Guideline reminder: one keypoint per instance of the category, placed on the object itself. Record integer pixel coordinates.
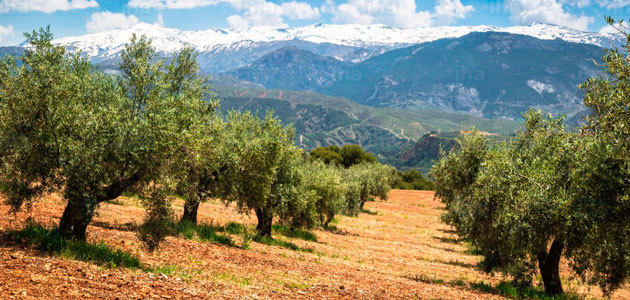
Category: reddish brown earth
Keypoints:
(403, 251)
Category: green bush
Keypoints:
(413, 179)
(346, 156)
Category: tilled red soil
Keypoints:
(403, 251)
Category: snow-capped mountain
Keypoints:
(225, 49)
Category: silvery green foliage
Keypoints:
(365, 181)
(546, 193)
(326, 183)
(260, 166)
(65, 127)
(511, 199)
(602, 176)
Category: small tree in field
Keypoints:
(365, 181)
(261, 166)
(200, 169)
(327, 185)
(65, 127)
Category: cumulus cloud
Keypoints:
(172, 4)
(400, 13)
(254, 12)
(46, 6)
(546, 11)
(6, 32)
(103, 21)
(447, 11)
(238, 22)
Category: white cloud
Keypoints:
(299, 11)
(238, 22)
(267, 13)
(172, 4)
(103, 21)
(447, 11)
(46, 6)
(609, 29)
(546, 11)
(400, 13)
(254, 12)
(6, 32)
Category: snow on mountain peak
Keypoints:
(168, 40)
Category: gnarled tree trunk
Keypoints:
(75, 219)
(549, 264)
(190, 212)
(265, 218)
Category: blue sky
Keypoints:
(76, 17)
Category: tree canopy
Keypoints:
(346, 156)
(66, 127)
(549, 193)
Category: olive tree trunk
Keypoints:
(190, 212)
(265, 218)
(75, 219)
(549, 264)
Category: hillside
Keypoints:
(308, 70)
(426, 151)
(324, 120)
(501, 77)
(400, 251)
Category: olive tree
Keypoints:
(326, 182)
(365, 181)
(260, 167)
(66, 127)
(601, 250)
(511, 200)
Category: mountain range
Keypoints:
(222, 50)
(486, 74)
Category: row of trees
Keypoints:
(550, 193)
(151, 130)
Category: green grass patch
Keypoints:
(294, 233)
(280, 243)
(505, 288)
(204, 233)
(511, 290)
(234, 228)
(242, 281)
(50, 241)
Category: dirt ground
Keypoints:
(398, 251)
